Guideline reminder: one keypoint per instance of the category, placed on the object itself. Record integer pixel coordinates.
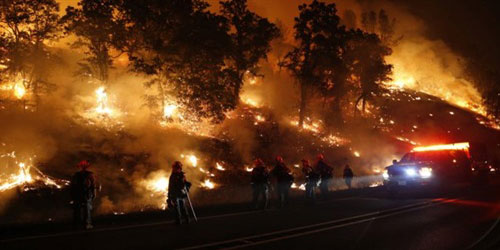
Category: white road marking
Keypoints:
(147, 224)
(372, 216)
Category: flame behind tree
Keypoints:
(96, 28)
(202, 68)
(26, 27)
(334, 61)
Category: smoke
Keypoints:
(131, 150)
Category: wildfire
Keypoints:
(219, 167)
(168, 110)
(102, 102)
(24, 176)
(443, 85)
(308, 125)
(159, 185)
(251, 102)
(19, 90)
(403, 139)
(208, 184)
(335, 140)
(16, 87)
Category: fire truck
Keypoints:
(431, 165)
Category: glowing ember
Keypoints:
(219, 167)
(356, 153)
(455, 146)
(19, 90)
(193, 160)
(251, 102)
(248, 169)
(314, 127)
(376, 184)
(335, 140)
(168, 110)
(16, 87)
(260, 118)
(102, 102)
(159, 185)
(156, 185)
(24, 176)
(406, 140)
(208, 184)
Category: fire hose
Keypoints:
(190, 204)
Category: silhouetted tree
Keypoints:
(316, 55)
(251, 36)
(369, 21)
(386, 27)
(366, 55)
(183, 47)
(193, 54)
(26, 27)
(380, 24)
(96, 28)
(349, 19)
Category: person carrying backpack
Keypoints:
(312, 178)
(260, 184)
(284, 180)
(83, 193)
(326, 175)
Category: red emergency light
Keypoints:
(455, 146)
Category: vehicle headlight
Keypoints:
(385, 174)
(425, 172)
(411, 172)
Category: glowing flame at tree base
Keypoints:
(24, 177)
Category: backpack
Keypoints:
(83, 185)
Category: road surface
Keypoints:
(466, 218)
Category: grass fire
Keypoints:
(224, 84)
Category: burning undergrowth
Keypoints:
(132, 134)
(133, 164)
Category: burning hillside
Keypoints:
(135, 107)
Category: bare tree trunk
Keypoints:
(303, 100)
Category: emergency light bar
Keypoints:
(454, 146)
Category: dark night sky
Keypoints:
(471, 28)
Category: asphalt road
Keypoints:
(464, 218)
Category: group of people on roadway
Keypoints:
(83, 187)
(320, 175)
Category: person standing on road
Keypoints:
(83, 192)
(312, 179)
(260, 184)
(178, 188)
(326, 174)
(348, 175)
(284, 180)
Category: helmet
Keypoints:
(258, 162)
(320, 157)
(83, 164)
(177, 166)
(279, 159)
